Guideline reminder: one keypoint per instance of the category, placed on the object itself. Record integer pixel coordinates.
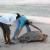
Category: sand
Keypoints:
(28, 46)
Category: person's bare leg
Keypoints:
(8, 37)
(4, 34)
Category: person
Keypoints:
(22, 21)
(6, 32)
(5, 23)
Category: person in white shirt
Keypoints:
(5, 22)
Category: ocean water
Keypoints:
(32, 10)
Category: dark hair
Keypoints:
(18, 15)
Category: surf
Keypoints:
(38, 19)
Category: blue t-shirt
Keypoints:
(21, 21)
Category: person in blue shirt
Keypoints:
(22, 21)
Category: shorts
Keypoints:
(5, 28)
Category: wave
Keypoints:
(40, 19)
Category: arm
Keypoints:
(36, 27)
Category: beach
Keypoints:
(29, 10)
(28, 46)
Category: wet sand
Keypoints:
(28, 46)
